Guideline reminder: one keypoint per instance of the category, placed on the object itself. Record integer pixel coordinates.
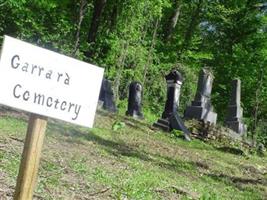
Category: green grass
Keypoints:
(130, 162)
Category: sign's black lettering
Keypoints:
(76, 111)
(63, 105)
(25, 67)
(15, 91)
(67, 80)
(15, 64)
(56, 102)
(26, 95)
(58, 76)
(50, 102)
(49, 74)
(38, 98)
(33, 68)
(40, 71)
(70, 105)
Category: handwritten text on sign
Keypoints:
(47, 83)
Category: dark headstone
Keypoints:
(201, 108)
(135, 100)
(106, 96)
(170, 118)
(235, 111)
(174, 82)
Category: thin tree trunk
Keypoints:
(83, 4)
(120, 65)
(114, 15)
(192, 25)
(98, 9)
(257, 105)
(149, 60)
(173, 20)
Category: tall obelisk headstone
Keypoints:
(170, 118)
(235, 111)
(201, 108)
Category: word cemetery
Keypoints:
(47, 101)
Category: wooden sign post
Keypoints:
(48, 84)
(29, 165)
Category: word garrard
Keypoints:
(37, 70)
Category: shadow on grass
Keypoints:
(237, 181)
(231, 150)
(14, 113)
(120, 148)
(129, 121)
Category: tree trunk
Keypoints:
(173, 20)
(98, 9)
(120, 67)
(192, 25)
(113, 17)
(150, 58)
(257, 105)
(82, 10)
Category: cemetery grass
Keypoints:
(123, 158)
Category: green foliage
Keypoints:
(10, 162)
(208, 196)
(177, 133)
(142, 40)
(117, 125)
(260, 132)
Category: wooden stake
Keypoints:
(28, 171)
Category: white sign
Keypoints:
(47, 83)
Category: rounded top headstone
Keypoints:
(135, 83)
(174, 76)
(236, 81)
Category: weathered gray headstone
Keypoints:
(135, 100)
(235, 111)
(170, 118)
(106, 96)
(201, 108)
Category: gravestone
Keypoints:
(201, 108)
(135, 100)
(106, 96)
(170, 118)
(235, 111)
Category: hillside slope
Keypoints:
(128, 161)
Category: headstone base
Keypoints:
(237, 126)
(111, 107)
(163, 124)
(174, 122)
(135, 114)
(200, 113)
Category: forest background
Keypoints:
(143, 40)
